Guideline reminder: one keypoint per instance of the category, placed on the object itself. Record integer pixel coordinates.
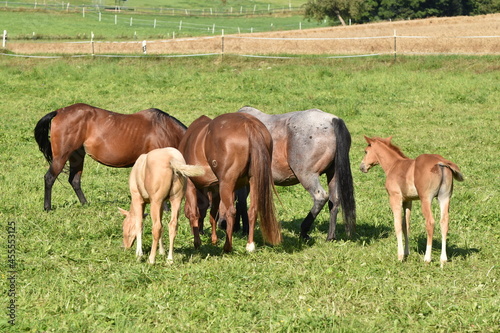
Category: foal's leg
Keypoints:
(444, 197)
(172, 225)
(445, 206)
(75, 173)
(406, 225)
(156, 215)
(396, 206)
(429, 226)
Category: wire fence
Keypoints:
(267, 47)
(255, 10)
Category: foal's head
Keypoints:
(371, 157)
(129, 232)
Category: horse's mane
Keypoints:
(391, 146)
(161, 115)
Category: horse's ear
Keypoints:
(123, 211)
(389, 139)
(368, 139)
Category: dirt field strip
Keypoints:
(455, 35)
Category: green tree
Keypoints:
(341, 9)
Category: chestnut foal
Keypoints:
(424, 178)
(156, 176)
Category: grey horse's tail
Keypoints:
(343, 173)
(41, 132)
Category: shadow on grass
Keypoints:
(451, 250)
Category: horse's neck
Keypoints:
(387, 157)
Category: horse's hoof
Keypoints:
(305, 237)
(250, 247)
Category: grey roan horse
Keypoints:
(308, 144)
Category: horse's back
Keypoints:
(229, 140)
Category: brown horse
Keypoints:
(110, 138)
(424, 178)
(156, 176)
(236, 150)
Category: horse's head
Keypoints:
(129, 232)
(371, 157)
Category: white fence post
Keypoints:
(4, 39)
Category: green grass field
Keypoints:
(71, 275)
(23, 25)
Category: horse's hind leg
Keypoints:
(319, 195)
(157, 230)
(227, 211)
(75, 173)
(333, 206)
(444, 197)
(172, 226)
(50, 177)
(429, 226)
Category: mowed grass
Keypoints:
(72, 274)
(57, 25)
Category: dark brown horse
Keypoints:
(236, 150)
(110, 138)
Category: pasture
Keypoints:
(70, 274)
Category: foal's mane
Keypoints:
(391, 146)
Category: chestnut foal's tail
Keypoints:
(41, 132)
(260, 168)
(455, 170)
(344, 175)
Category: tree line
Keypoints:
(362, 11)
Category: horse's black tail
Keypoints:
(343, 173)
(42, 130)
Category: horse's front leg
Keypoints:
(396, 206)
